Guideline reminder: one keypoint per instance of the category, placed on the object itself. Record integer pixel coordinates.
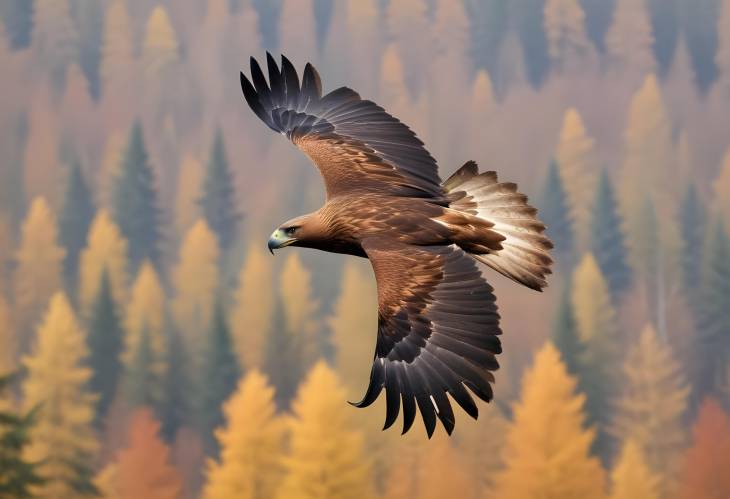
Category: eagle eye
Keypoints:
(289, 231)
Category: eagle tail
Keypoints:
(524, 255)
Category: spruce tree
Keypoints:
(17, 475)
(218, 201)
(220, 373)
(565, 334)
(142, 382)
(176, 407)
(692, 230)
(76, 215)
(282, 358)
(607, 238)
(134, 201)
(18, 17)
(554, 211)
(105, 346)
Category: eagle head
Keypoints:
(301, 231)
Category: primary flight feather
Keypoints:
(438, 326)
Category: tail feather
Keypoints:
(524, 256)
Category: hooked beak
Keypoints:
(279, 239)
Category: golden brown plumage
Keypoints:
(438, 326)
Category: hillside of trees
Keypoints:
(150, 347)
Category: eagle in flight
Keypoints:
(438, 326)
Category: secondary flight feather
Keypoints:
(438, 325)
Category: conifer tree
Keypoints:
(8, 341)
(134, 201)
(75, 219)
(326, 457)
(143, 385)
(55, 39)
(409, 42)
(646, 250)
(220, 371)
(596, 321)
(555, 212)
(251, 442)
(18, 17)
(62, 437)
(106, 251)
(607, 238)
(631, 477)
(187, 194)
(352, 324)
(692, 227)
(282, 360)
(652, 405)
(176, 407)
(196, 282)
(706, 462)
(547, 453)
(117, 52)
(39, 261)
(17, 475)
(564, 23)
(254, 307)
(722, 187)
(218, 201)
(143, 469)
(160, 47)
(565, 335)
(574, 155)
(300, 309)
(629, 39)
(713, 310)
(105, 346)
(393, 89)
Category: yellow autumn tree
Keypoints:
(106, 250)
(251, 443)
(62, 438)
(631, 477)
(110, 166)
(326, 458)
(722, 190)
(576, 161)
(117, 49)
(547, 453)
(196, 282)
(254, 308)
(393, 91)
(652, 405)
(160, 47)
(39, 262)
(145, 313)
(629, 40)
(564, 22)
(354, 324)
(187, 195)
(300, 308)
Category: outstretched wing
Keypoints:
(438, 331)
(354, 143)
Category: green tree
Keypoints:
(565, 334)
(282, 358)
(55, 39)
(105, 346)
(692, 228)
(18, 17)
(143, 383)
(607, 238)
(134, 201)
(555, 212)
(17, 475)
(176, 405)
(76, 215)
(220, 372)
(218, 201)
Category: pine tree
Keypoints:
(189, 188)
(134, 201)
(554, 211)
(254, 308)
(352, 324)
(574, 155)
(409, 42)
(39, 261)
(629, 40)
(721, 187)
(143, 386)
(220, 371)
(251, 442)
(143, 469)
(713, 311)
(652, 405)
(326, 457)
(300, 309)
(196, 282)
(176, 407)
(62, 437)
(18, 17)
(106, 251)
(218, 202)
(565, 335)
(631, 477)
(105, 346)
(646, 249)
(548, 448)
(706, 462)
(393, 90)
(692, 227)
(596, 321)
(117, 53)
(75, 219)
(160, 48)
(55, 39)
(564, 23)
(17, 475)
(282, 360)
(607, 238)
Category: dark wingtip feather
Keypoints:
(374, 388)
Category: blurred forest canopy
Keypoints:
(159, 351)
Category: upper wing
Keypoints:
(438, 331)
(354, 143)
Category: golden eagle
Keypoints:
(438, 326)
